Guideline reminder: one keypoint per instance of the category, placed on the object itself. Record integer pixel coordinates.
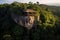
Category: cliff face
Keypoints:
(26, 21)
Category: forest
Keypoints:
(48, 27)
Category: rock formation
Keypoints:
(27, 20)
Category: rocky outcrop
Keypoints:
(26, 21)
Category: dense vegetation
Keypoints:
(48, 27)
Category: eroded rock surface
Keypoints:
(26, 21)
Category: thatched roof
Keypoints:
(29, 10)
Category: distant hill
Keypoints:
(53, 8)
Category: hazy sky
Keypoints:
(24, 1)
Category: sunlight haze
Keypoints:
(34, 1)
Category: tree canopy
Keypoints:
(47, 29)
